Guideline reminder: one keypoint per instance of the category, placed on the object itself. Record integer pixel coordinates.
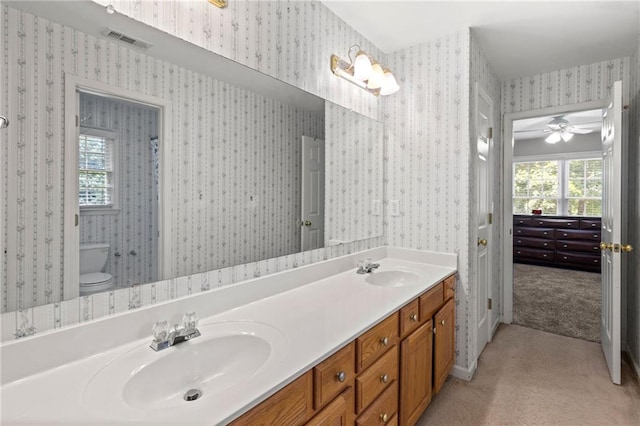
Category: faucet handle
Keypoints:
(190, 320)
(161, 331)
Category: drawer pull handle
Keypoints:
(441, 322)
(384, 418)
(341, 376)
(565, 257)
(595, 261)
(384, 341)
(384, 378)
(414, 317)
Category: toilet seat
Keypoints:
(95, 282)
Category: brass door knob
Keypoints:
(384, 418)
(414, 317)
(384, 378)
(626, 248)
(341, 376)
(605, 246)
(307, 223)
(482, 242)
(384, 341)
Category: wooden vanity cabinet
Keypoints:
(386, 376)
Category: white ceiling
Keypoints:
(534, 128)
(520, 38)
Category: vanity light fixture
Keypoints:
(365, 72)
(219, 3)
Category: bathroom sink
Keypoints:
(393, 278)
(226, 355)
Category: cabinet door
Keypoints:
(444, 352)
(338, 413)
(415, 373)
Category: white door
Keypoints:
(312, 219)
(484, 205)
(612, 231)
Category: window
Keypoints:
(96, 170)
(558, 187)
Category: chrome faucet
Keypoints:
(163, 338)
(366, 267)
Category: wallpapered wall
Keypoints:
(135, 226)
(427, 124)
(354, 169)
(297, 38)
(482, 72)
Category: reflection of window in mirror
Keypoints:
(97, 158)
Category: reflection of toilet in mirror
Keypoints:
(93, 258)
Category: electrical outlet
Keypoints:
(394, 207)
(376, 207)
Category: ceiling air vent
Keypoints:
(131, 41)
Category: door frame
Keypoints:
(74, 84)
(507, 178)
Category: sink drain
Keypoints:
(192, 394)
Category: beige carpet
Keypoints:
(529, 377)
(559, 301)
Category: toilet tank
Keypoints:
(93, 257)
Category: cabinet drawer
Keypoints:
(521, 221)
(556, 223)
(534, 232)
(578, 258)
(533, 254)
(582, 246)
(372, 344)
(291, 405)
(431, 301)
(449, 287)
(410, 318)
(382, 411)
(590, 224)
(333, 375)
(578, 234)
(533, 242)
(376, 378)
(338, 412)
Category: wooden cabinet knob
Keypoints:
(414, 317)
(441, 322)
(384, 378)
(384, 418)
(384, 341)
(341, 376)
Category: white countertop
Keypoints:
(316, 319)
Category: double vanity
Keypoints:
(315, 344)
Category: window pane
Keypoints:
(584, 207)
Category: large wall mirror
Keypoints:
(199, 164)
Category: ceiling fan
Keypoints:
(560, 129)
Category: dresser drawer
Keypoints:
(333, 375)
(534, 232)
(372, 344)
(556, 223)
(532, 242)
(521, 221)
(533, 254)
(581, 246)
(590, 224)
(449, 287)
(383, 410)
(578, 234)
(585, 259)
(376, 378)
(431, 301)
(410, 318)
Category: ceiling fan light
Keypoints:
(553, 138)
(362, 67)
(566, 136)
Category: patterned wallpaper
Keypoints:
(36, 54)
(482, 72)
(633, 289)
(354, 172)
(135, 226)
(428, 158)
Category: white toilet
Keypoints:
(93, 258)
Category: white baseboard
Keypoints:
(634, 362)
(463, 373)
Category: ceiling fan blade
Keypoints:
(579, 131)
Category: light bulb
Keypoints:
(377, 77)
(362, 67)
(553, 138)
(390, 85)
(566, 136)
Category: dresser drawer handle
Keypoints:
(546, 233)
(384, 418)
(544, 255)
(565, 246)
(341, 376)
(595, 261)
(413, 317)
(384, 341)
(545, 244)
(565, 257)
(593, 225)
(384, 378)
(565, 235)
(596, 236)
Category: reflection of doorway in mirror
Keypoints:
(118, 193)
(312, 219)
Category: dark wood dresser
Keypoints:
(570, 242)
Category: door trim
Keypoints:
(507, 205)
(73, 84)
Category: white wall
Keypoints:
(579, 143)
